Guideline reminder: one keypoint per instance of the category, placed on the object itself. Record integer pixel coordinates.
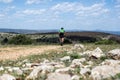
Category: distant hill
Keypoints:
(26, 31)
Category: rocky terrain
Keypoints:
(71, 62)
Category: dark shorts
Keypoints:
(61, 35)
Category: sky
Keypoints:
(54, 14)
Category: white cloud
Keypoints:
(79, 9)
(64, 7)
(2, 15)
(117, 7)
(36, 1)
(34, 12)
(118, 1)
(6, 1)
(30, 12)
(9, 8)
(94, 10)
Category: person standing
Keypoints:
(61, 36)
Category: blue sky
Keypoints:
(53, 14)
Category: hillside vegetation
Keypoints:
(53, 38)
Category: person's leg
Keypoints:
(62, 40)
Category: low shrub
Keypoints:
(4, 41)
(75, 56)
(106, 42)
(20, 40)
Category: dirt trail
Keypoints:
(18, 51)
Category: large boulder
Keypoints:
(16, 70)
(111, 62)
(115, 54)
(84, 71)
(7, 77)
(108, 68)
(101, 72)
(44, 69)
(97, 53)
(58, 76)
(77, 63)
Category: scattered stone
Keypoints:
(77, 63)
(27, 65)
(64, 70)
(57, 65)
(58, 76)
(79, 46)
(75, 77)
(90, 63)
(1, 68)
(66, 58)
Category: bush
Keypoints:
(106, 42)
(20, 40)
(4, 41)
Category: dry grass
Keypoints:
(14, 52)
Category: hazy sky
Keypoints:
(53, 14)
